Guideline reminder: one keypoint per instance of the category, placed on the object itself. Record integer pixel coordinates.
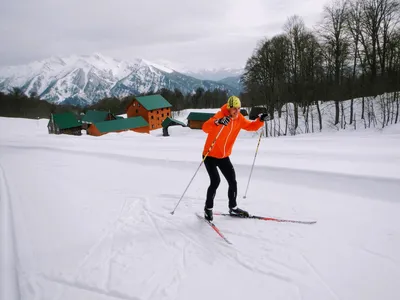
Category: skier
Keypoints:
(230, 117)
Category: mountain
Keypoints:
(85, 79)
(214, 74)
(232, 81)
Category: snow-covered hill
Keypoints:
(86, 79)
(87, 217)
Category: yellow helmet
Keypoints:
(233, 101)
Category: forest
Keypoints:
(353, 52)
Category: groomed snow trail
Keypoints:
(91, 221)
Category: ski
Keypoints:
(266, 218)
(214, 227)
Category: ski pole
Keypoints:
(259, 139)
(209, 149)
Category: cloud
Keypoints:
(193, 33)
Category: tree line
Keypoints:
(353, 52)
(17, 104)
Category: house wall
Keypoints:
(72, 131)
(136, 109)
(92, 130)
(153, 117)
(195, 124)
(144, 129)
(157, 116)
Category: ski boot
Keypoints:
(208, 214)
(237, 212)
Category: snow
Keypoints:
(63, 70)
(214, 73)
(158, 66)
(88, 217)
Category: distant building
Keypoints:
(64, 123)
(93, 116)
(170, 122)
(154, 109)
(197, 119)
(137, 124)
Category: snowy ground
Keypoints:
(89, 217)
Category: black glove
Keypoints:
(224, 121)
(263, 117)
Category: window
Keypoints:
(137, 110)
(162, 115)
(152, 117)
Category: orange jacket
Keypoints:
(223, 146)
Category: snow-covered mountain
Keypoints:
(215, 73)
(85, 79)
(232, 81)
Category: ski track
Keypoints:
(331, 291)
(96, 245)
(197, 236)
(155, 227)
(380, 255)
(109, 272)
(372, 187)
(155, 294)
(92, 250)
(81, 286)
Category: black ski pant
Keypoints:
(226, 167)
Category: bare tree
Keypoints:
(336, 43)
(354, 15)
(295, 31)
(354, 53)
(379, 20)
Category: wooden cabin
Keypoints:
(137, 124)
(64, 123)
(154, 109)
(93, 116)
(197, 119)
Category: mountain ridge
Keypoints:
(86, 79)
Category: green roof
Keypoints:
(153, 102)
(93, 116)
(121, 124)
(200, 116)
(170, 121)
(65, 120)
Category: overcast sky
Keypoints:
(193, 34)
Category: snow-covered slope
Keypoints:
(379, 112)
(88, 78)
(89, 217)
